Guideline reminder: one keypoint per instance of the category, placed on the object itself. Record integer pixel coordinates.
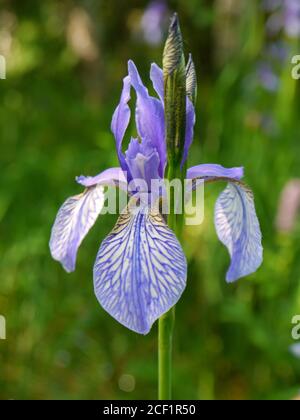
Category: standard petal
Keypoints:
(111, 176)
(238, 229)
(157, 78)
(140, 270)
(143, 161)
(189, 129)
(120, 120)
(149, 116)
(210, 171)
(73, 221)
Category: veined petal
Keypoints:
(120, 120)
(238, 229)
(149, 116)
(140, 270)
(210, 171)
(111, 176)
(235, 218)
(73, 221)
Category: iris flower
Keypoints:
(140, 270)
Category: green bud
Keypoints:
(191, 81)
(174, 94)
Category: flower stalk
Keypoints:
(175, 92)
(165, 341)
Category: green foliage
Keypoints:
(56, 106)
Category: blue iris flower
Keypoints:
(140, 269)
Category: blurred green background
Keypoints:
(65, 63)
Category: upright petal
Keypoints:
(149, 116)
(73, 221)
(238, 229)
(120, 120)
(140, 270)
(111, 176)
(157, 78)
(143, 161)
(189, 129)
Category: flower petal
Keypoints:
(143, 162)
(149, 116)
(238, 229)
(120, 120)
(189, 130)
(73, 221)
(157, 78)
(210, 171)
(111, 176)
(140, 270)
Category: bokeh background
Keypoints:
(65, 63)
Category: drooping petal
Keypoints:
(238, 229)
(73, 221)
(140, 270)
(157, 78)
(120, 120)
(210, 171)
(235, 218)
(111, 176)
(149, 116)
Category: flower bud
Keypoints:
(174, 94)
(191, 81)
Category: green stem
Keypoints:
(166, 321)
(165, 338)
